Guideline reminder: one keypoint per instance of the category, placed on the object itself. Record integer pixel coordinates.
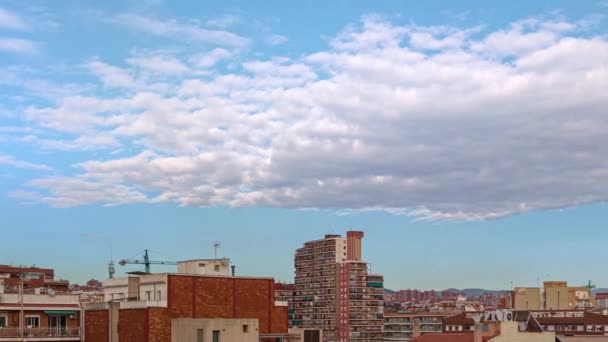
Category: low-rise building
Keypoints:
(405, 326)
(154, 306)
(32, 309)
(601, 300)
(490, 331)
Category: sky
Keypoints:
(467, 139)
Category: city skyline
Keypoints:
(467, 140)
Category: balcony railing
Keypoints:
(40, 332)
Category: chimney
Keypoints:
(478, 332)
(353, 245)
(416, 328)
(233, 267)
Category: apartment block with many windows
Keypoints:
(335, 293)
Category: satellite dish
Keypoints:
(51, 292)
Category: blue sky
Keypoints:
(466, 138)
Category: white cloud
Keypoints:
(181, 30)
(374, 122)
(277, 39)
(10, 20)
(111, 76)
(211, 58)
(225, 21)
(18, 45)
(12, 162)
(158, 64)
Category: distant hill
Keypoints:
(474, 292)
(467, 292)
(479, 292)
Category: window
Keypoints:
(217, 268)
(216, 336)
(158, 295)
(3, 321)
(148, 295)
(245, 328)
(200, 335)
(32, 321)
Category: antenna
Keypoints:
(111, 269)
(216, 246)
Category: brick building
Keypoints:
(35, 306)
(335, 293)
(32, 277)
(151, 305)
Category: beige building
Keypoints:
(554, 295)
(219, 267)
(216, 329)
(527, 298)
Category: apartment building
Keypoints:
(554, 295)
(405, 326)
(335, 293)
(36, 307)
(180, 306)
(285, 293)
(31, 277)
(602, 300)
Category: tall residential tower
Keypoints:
(335, 293)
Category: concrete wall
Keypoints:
(13, 298)
(509, 332)
(556, 298)
(231, 330)
(528, 298)
(154, 285)
(219, 267)
(120, 288)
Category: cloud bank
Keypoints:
(438, 123)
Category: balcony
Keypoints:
(40, 334)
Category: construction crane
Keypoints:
(146, 262)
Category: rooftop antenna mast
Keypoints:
(111, 268)
(216, 246)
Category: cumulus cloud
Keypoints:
(437, 123)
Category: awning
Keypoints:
(59, 313)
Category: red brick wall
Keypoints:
(279, 320)
(180, 296)
(96, 326)
(160, 325)
(210, 297)
(213, 297)
(133, 325)
(254, 298)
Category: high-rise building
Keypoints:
(335, 293)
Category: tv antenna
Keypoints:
(216, 246)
